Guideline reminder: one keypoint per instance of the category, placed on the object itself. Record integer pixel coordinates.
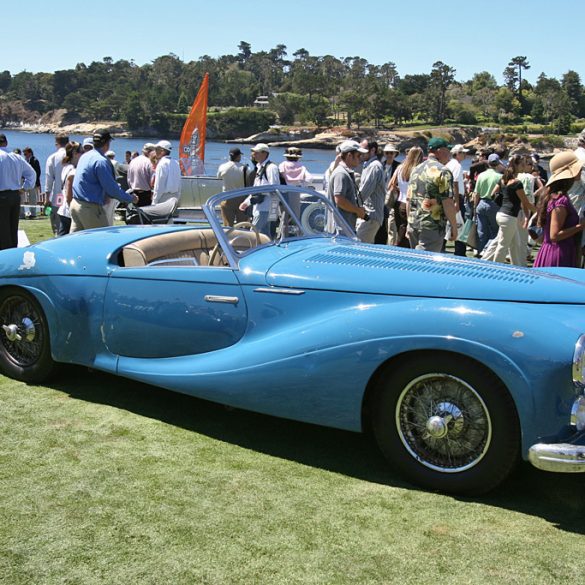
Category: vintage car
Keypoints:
(457, 366)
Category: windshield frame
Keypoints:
(212, 204)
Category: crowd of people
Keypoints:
(421, 202)
(83, 183)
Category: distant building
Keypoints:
(261, 101)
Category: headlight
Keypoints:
(579, 363)
(578, 413)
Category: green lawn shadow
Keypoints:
(557, 498)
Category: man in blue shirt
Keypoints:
(15, 174)
(94, 181)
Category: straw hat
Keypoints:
(564, 165)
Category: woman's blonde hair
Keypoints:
(413, 158)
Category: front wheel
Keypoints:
(25, 351)
(447, 423)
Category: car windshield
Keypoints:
(260, 216)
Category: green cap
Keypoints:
(436, 143)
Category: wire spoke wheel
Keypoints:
(24, 341)
(446, 422)
(443, 423)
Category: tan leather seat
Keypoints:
(194, 244)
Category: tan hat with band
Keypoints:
(564, 165)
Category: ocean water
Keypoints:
(316, 160)
(216, 153)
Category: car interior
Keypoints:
(197, 247)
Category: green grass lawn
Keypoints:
(104, 480)
(109, 481)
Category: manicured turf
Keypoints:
(104, 480)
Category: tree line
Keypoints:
(320, 90)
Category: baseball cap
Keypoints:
(494, 158)
(261, 147)
(436, 143)
(351, 146)
(459, 148)
(235, 151)
(110, 153)
(87, 142)
(390, 148)
(149, 146)
(164, 144)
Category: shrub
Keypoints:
(238, 122)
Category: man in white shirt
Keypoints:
(140, 175)
(53, 186)
(167, 177)
(233, 175)
(267, 173)
(15, 175)
(458, 153)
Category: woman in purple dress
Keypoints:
(557, 216)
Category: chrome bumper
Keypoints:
(558, 457)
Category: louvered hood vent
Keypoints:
(396, 271)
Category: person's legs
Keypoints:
(87, 216)
(506, 236)
(64, 226)
(412, 236)
(492, 222)
(401, 221)
(366, 230)
(483, 227)
(261, 223)
(54, 217)
(460, 247)
(517, 248)
(9, 217)
(382, 233)
(431, 240)
(522, 239)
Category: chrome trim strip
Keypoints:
(220, 299)
(279, 291)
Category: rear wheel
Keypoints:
(25, 351)
(447, 423)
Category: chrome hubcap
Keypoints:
(21, 337)
(443, 423)
(26, 331)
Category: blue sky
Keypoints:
(470, 37)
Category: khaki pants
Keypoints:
(366, 230)
(230, 212)
(86, 216)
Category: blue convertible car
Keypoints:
(458, 367)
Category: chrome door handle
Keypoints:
(221, 299)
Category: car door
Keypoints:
(159, 312)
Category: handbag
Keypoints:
(468, 234)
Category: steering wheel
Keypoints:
(217, 251)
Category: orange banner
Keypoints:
(192, 145)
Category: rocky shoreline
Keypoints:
(473, 137)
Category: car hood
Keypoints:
(362, 268)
